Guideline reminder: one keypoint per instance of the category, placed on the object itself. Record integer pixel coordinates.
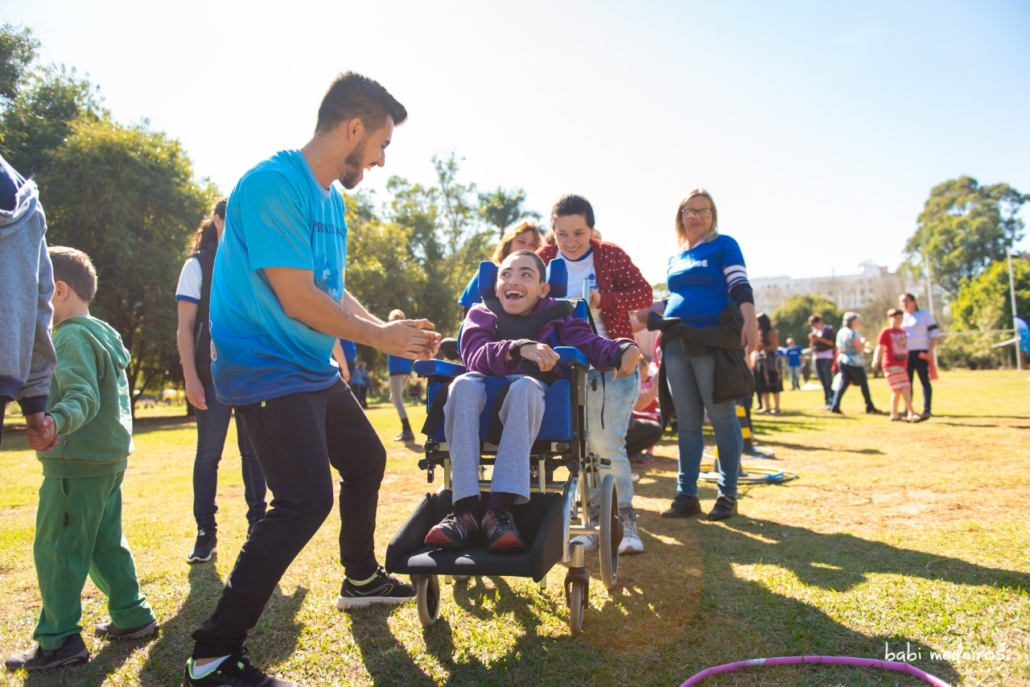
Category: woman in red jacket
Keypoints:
(604, 274)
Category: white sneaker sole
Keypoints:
(345, 602)
(631, 546)
(197, 559)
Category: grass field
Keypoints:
(895, 537)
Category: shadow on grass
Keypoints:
(274, 638)
(386, 659)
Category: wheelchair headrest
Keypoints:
(557, 276)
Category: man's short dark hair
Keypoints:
(818, 317)
(352, 95)
(571, 204)
(75, 269)
(540, 267)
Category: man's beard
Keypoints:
(352, 175)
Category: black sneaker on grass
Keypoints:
(724, 507)
(235, 671)
(683, 506)
(454, 531)
(382, 589)
(112, 631)
(405, 436)
(205, 548)
(72, 652)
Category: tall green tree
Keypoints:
(502, 208)
(17, 51)
(126, 196)
(963, 228)
(791, 318)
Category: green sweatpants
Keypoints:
(79, 532)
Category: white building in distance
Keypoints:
(848, 291)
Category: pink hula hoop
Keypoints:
(836, 660)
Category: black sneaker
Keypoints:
(72, 652)
(235, 671)
(502, 536)
(405, 436)
(112, 631)
(382, 589)
(683, 506)
(724, 507)
(205, 548)
(874, 411)
(454, 531)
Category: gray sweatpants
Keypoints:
(397, 394)
(521, 413)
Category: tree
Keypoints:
(126, 196)
(17, 51)
(502, 208)
(963, 228)
(791, 319)
(985, 303)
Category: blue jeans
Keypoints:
(212, 426)
(824, 368)
(691, 381)
(795, 377)
(611, 403)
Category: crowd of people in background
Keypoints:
(267, 329)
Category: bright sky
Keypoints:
(819, 127)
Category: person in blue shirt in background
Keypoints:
(345, 353)
(399, 369)
(792, 352)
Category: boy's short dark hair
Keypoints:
(540, 267)
(818, 317)
(352, 95)
(895, 311)
(571, 204)
(75, 269)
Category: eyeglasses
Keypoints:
(703, 214)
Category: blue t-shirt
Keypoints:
(350, 351)
(470, 296)
(793, 355)
(397, 365)
(697, 281)
(846, 353)
(278, 216)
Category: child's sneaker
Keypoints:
(454, 530)
(631, 542)
(112, 631)
(502, 536)
(381, 589)
(235, 671)
(205, 548)
(72, 652)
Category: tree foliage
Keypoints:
(126, 196)
(17, 51)
(502, 208)
(791, 318)
(963, 228)
(985, 303)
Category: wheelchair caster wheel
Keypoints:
(427, 598)
(577, 587)
(577, 603)
(610, 535)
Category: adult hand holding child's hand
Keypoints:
(41, 432)
(410, 339)
(628, 364)
(541, 354)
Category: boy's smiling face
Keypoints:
(520, 285)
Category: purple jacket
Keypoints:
(482, 353)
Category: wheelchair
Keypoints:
(556, 511)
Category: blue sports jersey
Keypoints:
(793, 356)
(697, 282)
(278, 216)
(350, 351)
(397, 365)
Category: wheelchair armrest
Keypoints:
(449, 350)
(438, 368)
(568, 355)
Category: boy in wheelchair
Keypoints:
(510, 338)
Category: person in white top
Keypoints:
(922, 332)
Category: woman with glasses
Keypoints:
(704, 363)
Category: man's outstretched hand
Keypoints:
(409, 339)
(41, 432)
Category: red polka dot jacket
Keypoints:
(620, 283)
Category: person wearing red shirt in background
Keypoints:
(892, 352)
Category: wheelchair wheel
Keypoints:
(610, 534)
(577, 594)
(427, 598)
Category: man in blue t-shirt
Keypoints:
(278, 304)
(792, 352)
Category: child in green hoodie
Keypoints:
(79, 518)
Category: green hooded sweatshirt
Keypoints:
(90, 401)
